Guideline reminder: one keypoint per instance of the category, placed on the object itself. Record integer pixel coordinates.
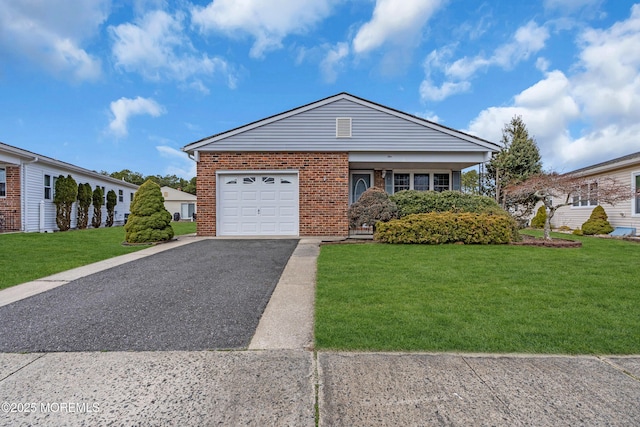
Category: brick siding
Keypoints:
(10, 210)
(323, 191)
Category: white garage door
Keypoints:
(258, 204)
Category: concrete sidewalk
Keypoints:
(279, 381)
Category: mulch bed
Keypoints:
(553, 243)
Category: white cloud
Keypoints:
(51, 34)
(157, 47)
(333, 61)
(526, 41)
(181, 165)
(268, 22)
(396, 21)
(124, 108)
(602, 98)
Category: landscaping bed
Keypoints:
(555, 242)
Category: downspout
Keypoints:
(23, 193)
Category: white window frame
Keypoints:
(47, 195)
(635, 199)
(413, 172)
(578, 202)
(3, 182)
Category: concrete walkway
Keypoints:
(279, 381)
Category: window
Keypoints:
(284, 181)
(3, 182)
(131, 197)
(421, 181)
(248, 179)
(636, 187)
(586, 195)
(440, 181)
(268, 180)
(47, 187)
(120, 196)
(400, 182)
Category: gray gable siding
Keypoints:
(315, 130)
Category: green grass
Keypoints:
(29, 256)
(480, 298)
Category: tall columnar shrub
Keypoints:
(112, 201)
(66, 191)
(541, 216)
(148, 221)
(84, 202)
(597, 223)
(373, 206)
(98, 201)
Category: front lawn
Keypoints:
(29, 256)
(475, 298)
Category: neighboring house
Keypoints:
(27, 186)
(625, 170)
(176, 201)
(297, 172)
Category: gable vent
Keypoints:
(343, 127)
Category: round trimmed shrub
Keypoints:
(597, 223)
(148, 221)
(373, 206)
(540, 218)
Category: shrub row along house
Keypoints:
(626, 171)
(27, 189)
(297, 172)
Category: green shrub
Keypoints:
(98, 201)
(540, 218)
(577, 232)
(149, 221)
(413, 202)
(66, 191)
(564, 228)
(447, 227)
(373, 206)
(112, 201)
(84, 202)
(597, 222)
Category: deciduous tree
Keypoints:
(555, 191)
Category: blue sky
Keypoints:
(109, 85)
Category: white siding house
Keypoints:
(625, 170)
(176, 201)
(26, 203)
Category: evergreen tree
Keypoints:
(66, 191)
(148, 221)
(98, 201)
(112, 201)
(84, 202)
(517, 160)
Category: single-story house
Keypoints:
(180, 202)
(27, 187)
(626, 171)
(297, 172)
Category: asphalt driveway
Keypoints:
(205, 295)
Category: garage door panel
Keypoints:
(258, 204)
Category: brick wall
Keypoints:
(10, 211)
(324, 187)
(378, 180)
